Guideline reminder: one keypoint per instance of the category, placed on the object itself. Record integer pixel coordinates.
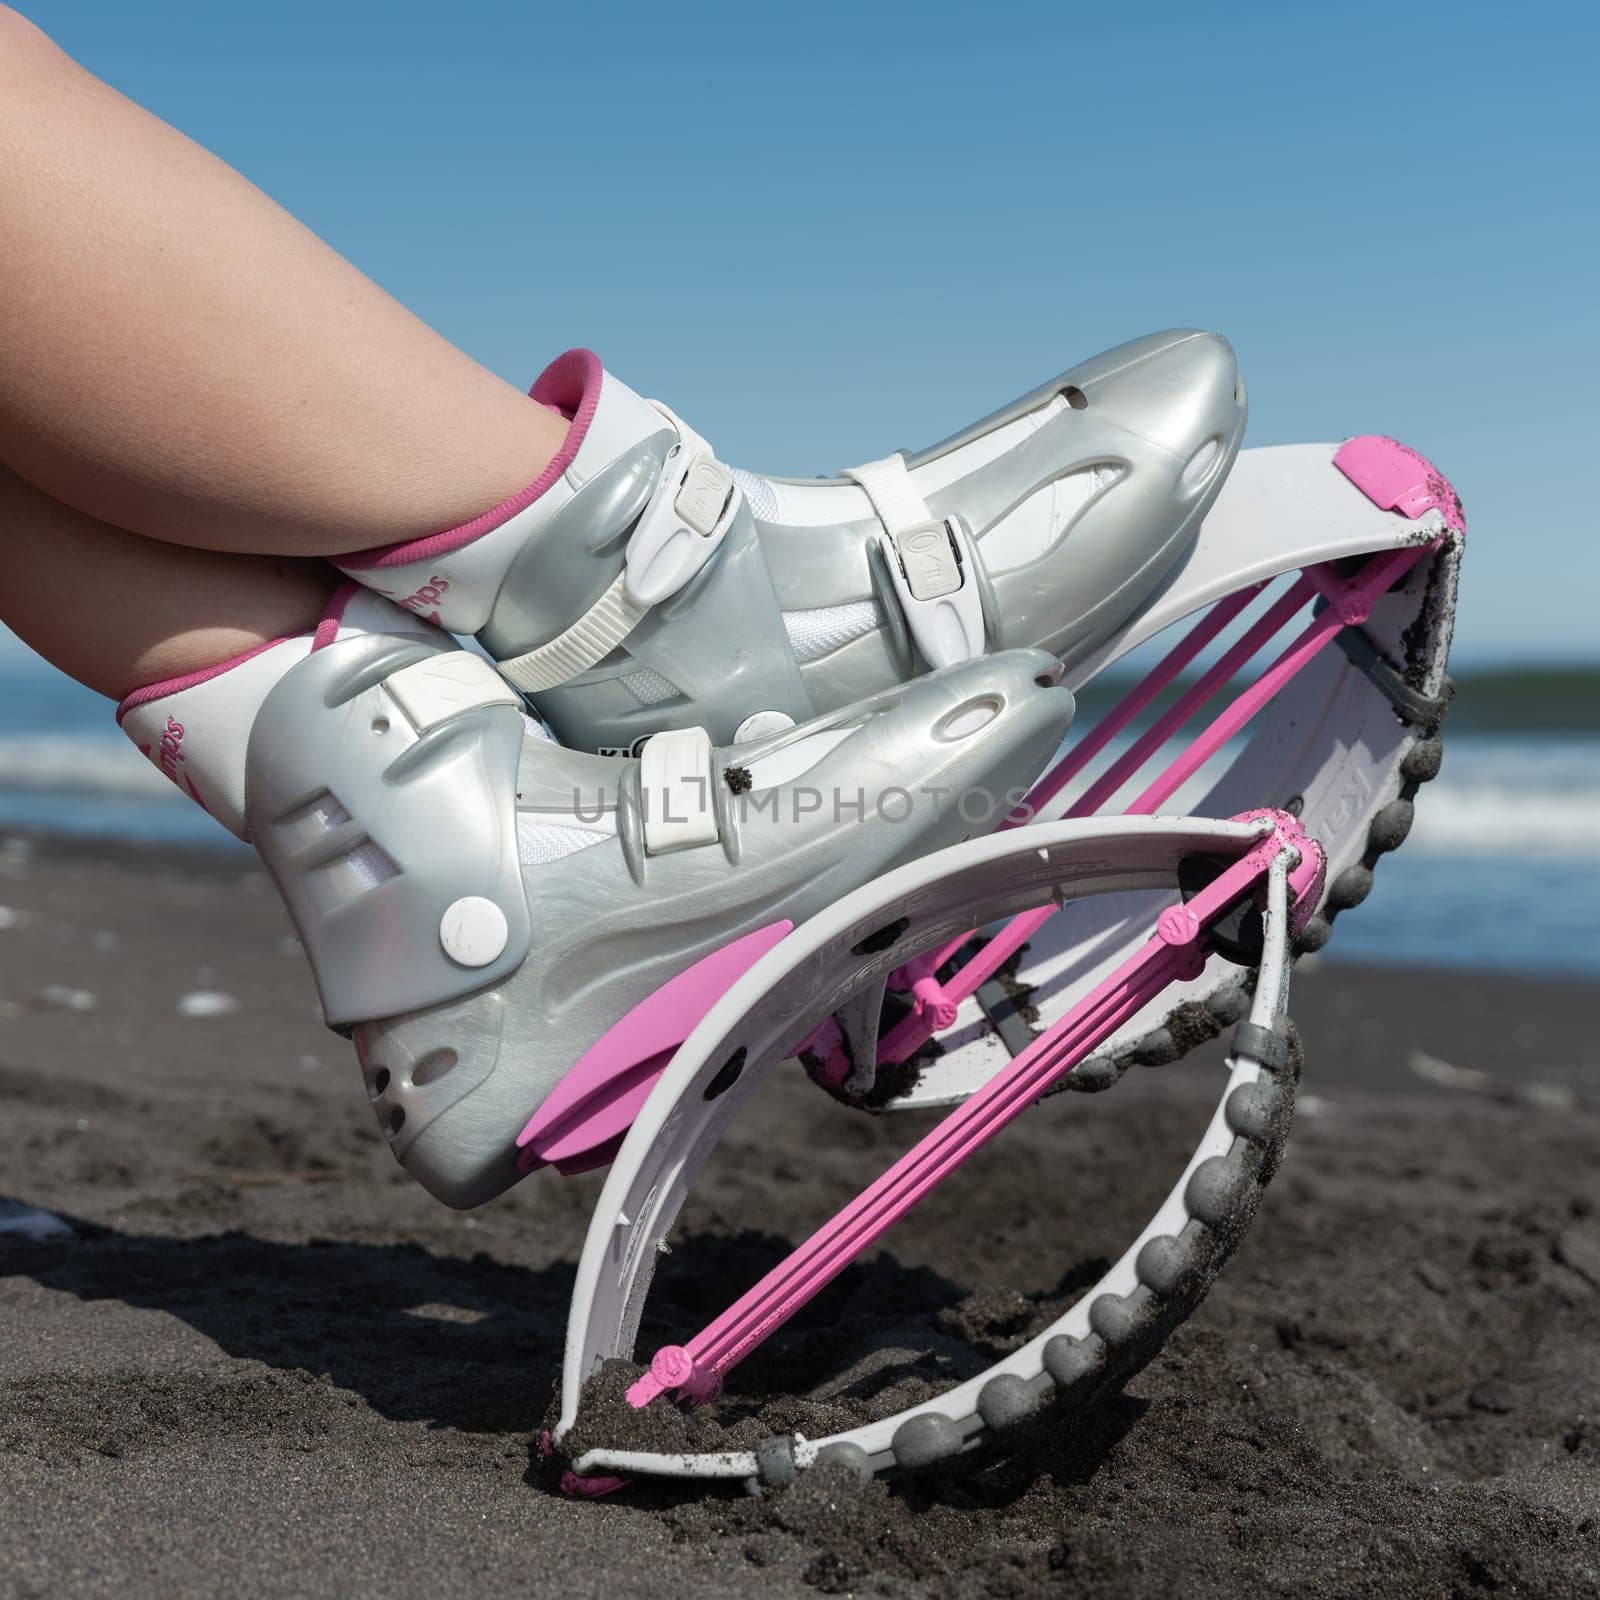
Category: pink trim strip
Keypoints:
(571, 385)
(328, 627)
(191, 680)
(582, 1121)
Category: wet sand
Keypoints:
(264, 1363)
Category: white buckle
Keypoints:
(675, 779)
(934, 572)
(678, 532)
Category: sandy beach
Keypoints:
(264, 1363)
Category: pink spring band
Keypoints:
(1177, 950)
(570, 385)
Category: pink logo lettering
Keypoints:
(170, 753)
(427, 598)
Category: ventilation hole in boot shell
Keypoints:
(432, 1067)
(1075, 397)
(968, 718)
(397, 1119)
(380, 1082)
(1198, 467)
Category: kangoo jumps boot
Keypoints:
(641, 584)
(490, 915)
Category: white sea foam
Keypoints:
(1455, 819)
(79, 764)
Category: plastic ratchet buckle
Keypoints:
(678, 532)
(934, 573)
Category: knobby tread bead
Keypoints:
(1251, 1109)
(1262, 1045)
(1423, 760)
(1005, 1400)
(1117, 1317)
(1350, 888)
(1391, 825)
(1163, 1263)
(1157, 1049)
(1215, 1190)
(922, 1440)
(1094, 1075)
(849, 1456)
(1228, 1005)
(1070, 1361)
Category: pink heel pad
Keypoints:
(587, 1113)
(1395, 478)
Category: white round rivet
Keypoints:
(762, 725)
(473, 931)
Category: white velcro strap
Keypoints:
(590, 639)
(931, 562)
(443, 686)
(676, 777)
(892, 493)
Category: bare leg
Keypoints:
(181, 357)
(117, 612)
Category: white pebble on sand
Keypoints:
(207, 1003)
(65, 999)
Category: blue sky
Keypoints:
(823, 232)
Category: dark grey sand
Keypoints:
(267, 1364)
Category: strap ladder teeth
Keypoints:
(685, 522)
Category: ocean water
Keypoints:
(1502, 870)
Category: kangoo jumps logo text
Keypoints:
(428, 596)
(169, 752)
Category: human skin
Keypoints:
(183, 363)
(117, 611)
